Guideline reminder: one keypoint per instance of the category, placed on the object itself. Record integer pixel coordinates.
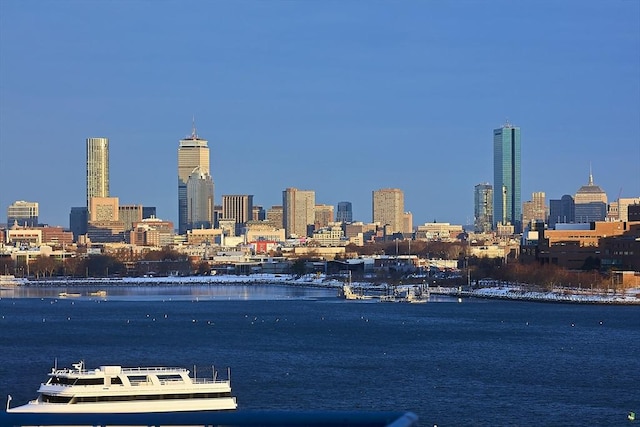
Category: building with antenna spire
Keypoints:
(590, 202)
(195, 201)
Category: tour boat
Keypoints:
(115, 389)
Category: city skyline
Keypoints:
(333, 98)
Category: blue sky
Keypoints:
(340, 97)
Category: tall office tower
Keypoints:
(507, 204)
(388, 209)
(238, 207)
(535, 209)
(344, 213)
(323, 216)
(483, 208)
(193, 156)
(97, 168)
(591, 202)
(129, 215)
(200, 209)
(23, 213)
(298, 212)
(275, 216)
(148, 212)
(561, 211)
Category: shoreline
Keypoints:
(509, 292)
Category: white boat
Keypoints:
(411, 294)
(114, 389)
(10, 281)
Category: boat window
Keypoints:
(55, 399)
(174, 377)
(116, 380)
(90, 381)
(137, 379)
(87, 399)
(62, 380)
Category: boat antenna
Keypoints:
(8, 401)
(195, 372)
(213, 371)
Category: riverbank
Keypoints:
(487, 290)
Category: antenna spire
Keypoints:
(590, 175)
(194, 134)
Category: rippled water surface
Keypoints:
(478, 362)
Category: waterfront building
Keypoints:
(97, 169)
(331, 235)
(193, 158)
(344, 213)
(534, 209)
(562, 211)
(388, 209)
(483, 207)
(323, 216)
(590, 202)
(507, 204)
(298, 211)
(238, 207)
(23, 213)
(200, 200)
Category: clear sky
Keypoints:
(338, 96)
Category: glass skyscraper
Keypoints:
(483, 208)
(507, 200)
(97, 168)
(193, 163)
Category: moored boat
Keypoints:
(114, 389)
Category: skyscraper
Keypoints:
(562, 211)
(238, 207)
(193, 161)
(97, 168)
(507, 201)
(298, 214)
(590, 202)
(483, 207)
(199, 200)
(388, 209)
(344, 213)
(534, 210)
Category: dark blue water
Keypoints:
(478, 362)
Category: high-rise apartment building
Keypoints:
(193, 162)
(275, 216)
(298, 208)
(483, 208)
(323, 216)
(344, 213)
(507, 200)
(388, 209)
(23, 213)
(535, 209)
(238, 207)
(97, 168)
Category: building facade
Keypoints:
(323, 216)
(200, 212)
(388, 209)
(97, 168)
(534, 209)
(23, 213)
(507, 199)
(562, 211)
(483, 207)
(238, 207)
(590, 202)
(298, 209)
(344, 213)
(193, 156)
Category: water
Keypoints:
(479, 362)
